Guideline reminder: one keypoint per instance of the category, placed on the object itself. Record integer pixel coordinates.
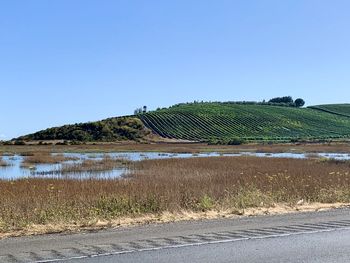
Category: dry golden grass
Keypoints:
(277, 180)
(158, 186)
(166, 217)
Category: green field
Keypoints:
(212, 122)
(338, 109)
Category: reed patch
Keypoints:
(107, 163)
(45, 158)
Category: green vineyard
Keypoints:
(210, 122)
(338, 109)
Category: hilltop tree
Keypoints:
(137, 111)
(299, 103)
(286, 99)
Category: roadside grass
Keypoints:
(173, 185)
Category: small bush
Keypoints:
(236, 141)
(19, 142)
(206, 203)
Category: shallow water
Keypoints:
(14, 171)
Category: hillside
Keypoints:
(226, 121)
(112, 129)
(214, 123)
(338, 109)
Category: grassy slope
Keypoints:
(218, 121)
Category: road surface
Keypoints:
(317, 247)
(303, 237)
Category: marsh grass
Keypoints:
(46, 158)
(90, 166)
(34, 158)
(156, 186)
(85, 167)
(230, 178)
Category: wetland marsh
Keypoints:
(113, 164)
(60, 191)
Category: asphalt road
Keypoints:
(321, 247)
(302, 237)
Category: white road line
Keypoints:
(190, 245)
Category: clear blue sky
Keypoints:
(67, 61)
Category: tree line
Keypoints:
(285, 101)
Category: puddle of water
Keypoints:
(14, 171)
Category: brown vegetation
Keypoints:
(33, 158)
(174, 185)
(91, 166)
(179, 148)
(227, 179)
(46, 158)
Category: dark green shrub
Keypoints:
(19, 142)
(236, 141)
